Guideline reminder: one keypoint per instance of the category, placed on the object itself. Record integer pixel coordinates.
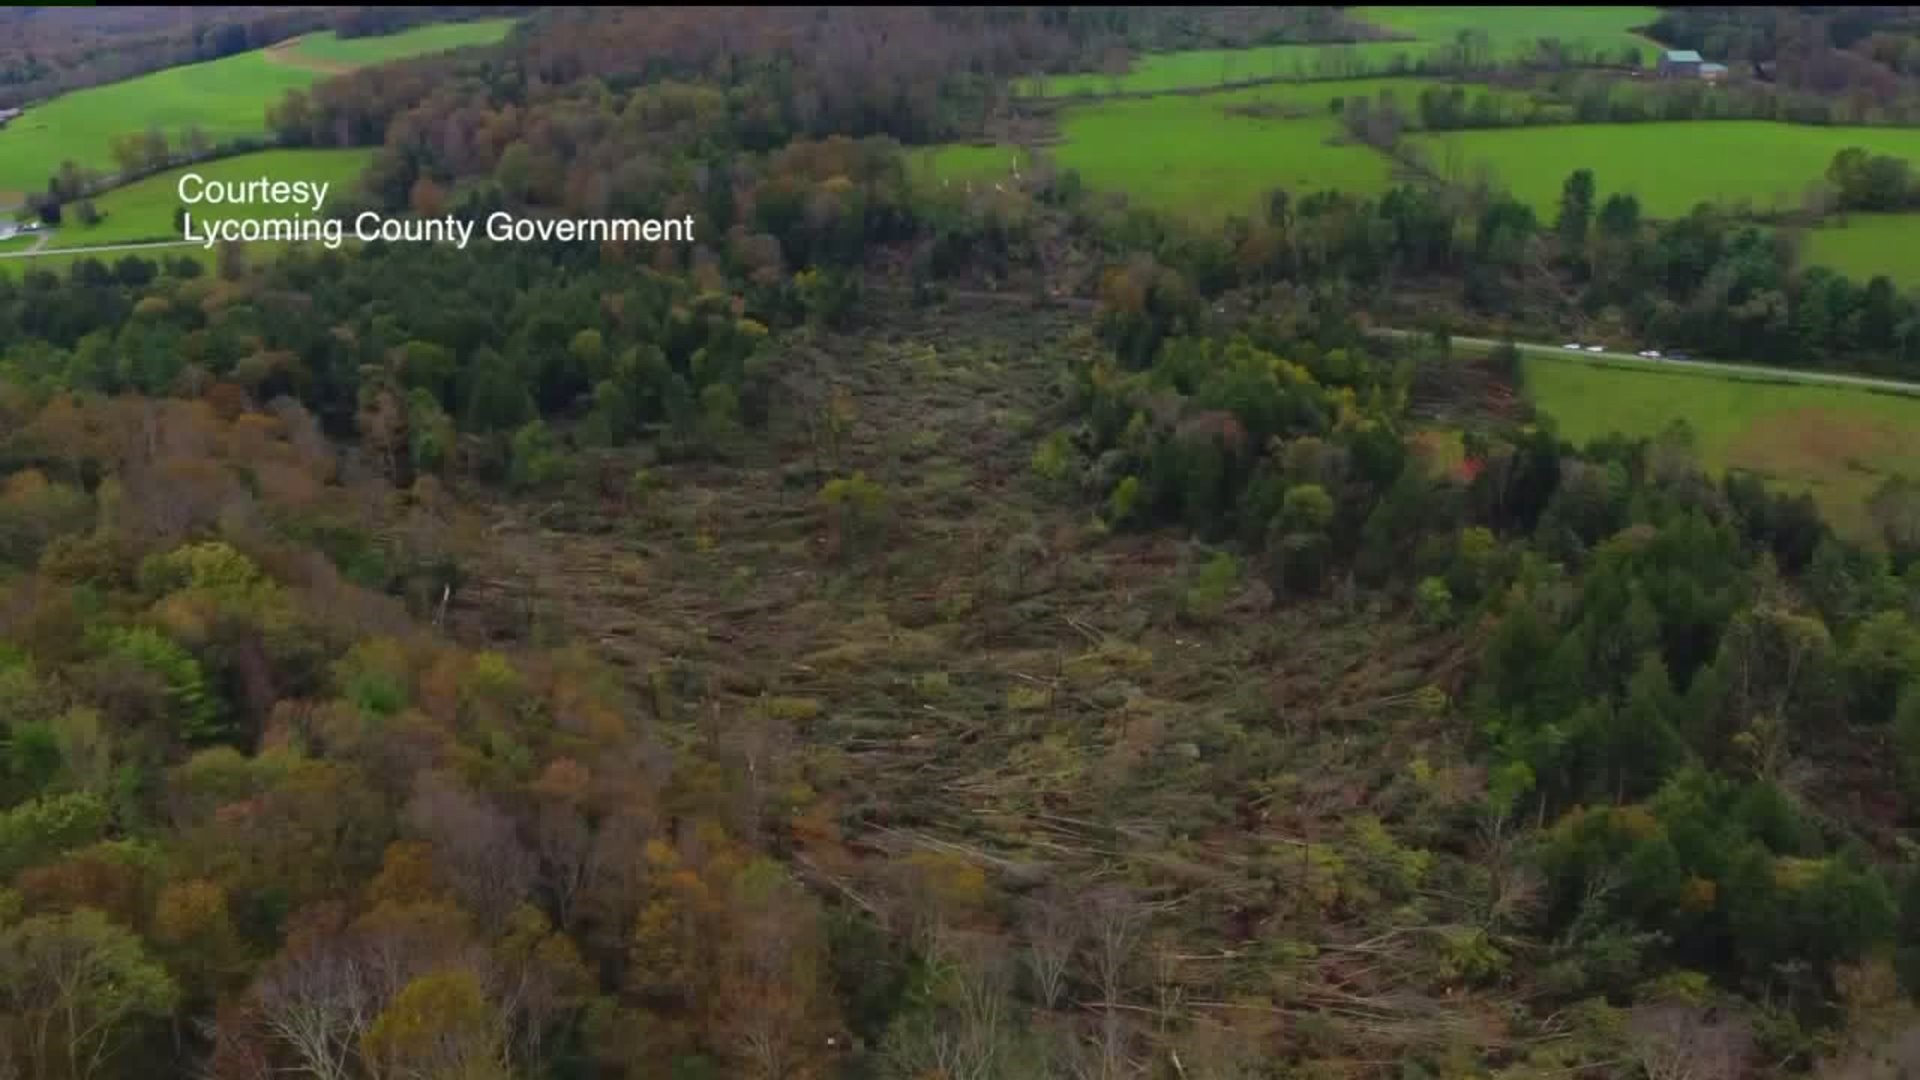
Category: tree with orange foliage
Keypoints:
(428, 199)
(665, 932)
(195, 935)
(112, 877)
(407, 875)
(774, 1012)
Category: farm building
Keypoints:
(7, 116)
(1679, 64)
(1713, 72)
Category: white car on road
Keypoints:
(1596, 348)
(1571, 346)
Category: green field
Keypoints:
(1207, 155)
(1513, 30)
(1176, 154)
(1669, 166)
(225, 98)
(1510, 31)
(1836, 443)
(1869, 244)
(327, 49)
(144, 210)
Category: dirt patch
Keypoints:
(1818, 443)
(1839, 455)
(284, 54)
(1469, 390)
(1270, 110)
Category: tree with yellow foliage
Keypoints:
(440, 1027)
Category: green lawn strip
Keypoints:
(144, 210)
(329, 48)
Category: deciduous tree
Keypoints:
(73, 988)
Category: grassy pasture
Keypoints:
(1669, 166)
(227, 98)
(1187, 156)
(326, 51)
(1510, 31)
(1836, 443)
(1208, 155)
(1868, 244)
(1514, 30)
(144, 209)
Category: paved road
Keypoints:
(1817, 378)
(39, 238)
(104, 249)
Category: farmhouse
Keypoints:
(1679, 64)
(1713, 72)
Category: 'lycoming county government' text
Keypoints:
(500, 227)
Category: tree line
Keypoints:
(1590, 97)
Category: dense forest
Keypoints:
(1587, 762)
